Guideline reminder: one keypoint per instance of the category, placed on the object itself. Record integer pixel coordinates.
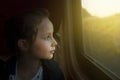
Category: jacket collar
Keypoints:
(11, 68)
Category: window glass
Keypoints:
(101, 33)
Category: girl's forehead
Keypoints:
(45, 26)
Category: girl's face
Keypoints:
(44, 44)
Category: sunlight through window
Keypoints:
(101, 8)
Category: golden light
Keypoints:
(101, 8)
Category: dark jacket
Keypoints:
(51, 70)
(2, 63)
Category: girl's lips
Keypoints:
(52, 51)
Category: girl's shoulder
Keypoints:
(10, 63)
(2, 63)
(52, 70)
(10, 66)
(51, 64)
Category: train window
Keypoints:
(101, 34)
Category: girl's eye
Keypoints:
(48, 38)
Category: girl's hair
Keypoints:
(23, 26)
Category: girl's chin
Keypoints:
(47, 57)
(50, 56)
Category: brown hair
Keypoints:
(23, 26)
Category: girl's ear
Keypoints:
(22, 45)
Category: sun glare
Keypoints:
(101, 8)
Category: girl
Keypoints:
(30, 38)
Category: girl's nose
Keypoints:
(54, 42)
